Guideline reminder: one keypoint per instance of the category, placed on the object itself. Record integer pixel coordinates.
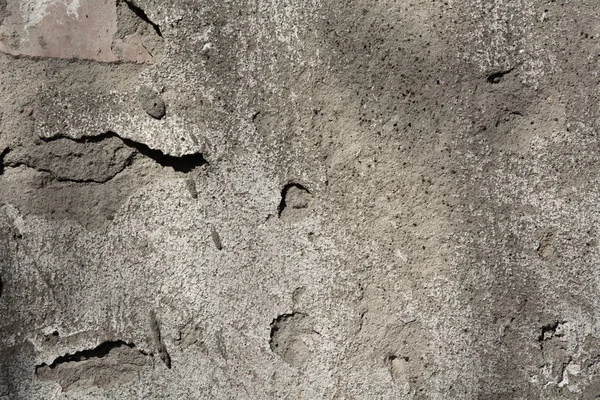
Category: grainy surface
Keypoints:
(339, 200)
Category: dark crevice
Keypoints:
(142, 15)
(98, 352)
(390, 358)
(496, 77)
(284, 191)
(2, 155)
(185, 163)
(548, 331)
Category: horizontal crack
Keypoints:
(110, 364)
(185, 163)
(72, 60)
(98, 352)
(63, 179)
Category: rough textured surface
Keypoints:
(340, 200)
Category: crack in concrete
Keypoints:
(183, 164)
(100, 351)
(141, 14)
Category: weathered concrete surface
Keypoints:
(299, 199)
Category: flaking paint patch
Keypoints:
(82, 29)
(71, 29)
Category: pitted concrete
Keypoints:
(301, 199)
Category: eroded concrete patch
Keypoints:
(292, 338)
(111, 363)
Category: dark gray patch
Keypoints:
(216, 238)
(221, 346)
(13, 370)
(151, 103)
(42, 42)
(93, 205)
(84, 179)
(83, 160)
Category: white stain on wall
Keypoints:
(34, 11)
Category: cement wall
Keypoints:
(252, 199)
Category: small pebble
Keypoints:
(152, 103)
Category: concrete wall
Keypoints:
(255, 199)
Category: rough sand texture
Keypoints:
(251, 199)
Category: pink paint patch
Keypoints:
(131, 48)
(85, 34)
